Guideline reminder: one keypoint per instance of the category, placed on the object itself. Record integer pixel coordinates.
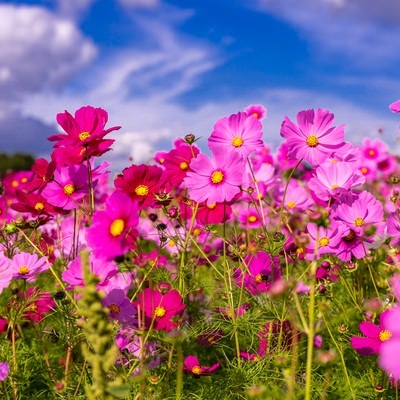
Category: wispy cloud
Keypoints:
(363, 31)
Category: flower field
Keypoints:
(243, 273)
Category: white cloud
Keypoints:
(363, 31)
(38, 50)
(73, 9)
(131, 4)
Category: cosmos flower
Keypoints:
(69, 187)
(239, 133)
(38, 304)
(84, 136)
(27, 266)
(4, 370)
(314, 138)
(192, 365)
(142, 183)
(262, 270)
(160, 310)
(216, 179)
(256, 110)
(113, 229)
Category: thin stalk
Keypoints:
(179, 372)
(311, 332)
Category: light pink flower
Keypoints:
(314, 138)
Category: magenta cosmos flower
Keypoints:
(84, 136)
(322, 240)
(161, 311)
(389, 351)
(216, 179)
(395, 107)
(27, 266)
(192, 365)
(113, 230)
(262, 270)
(4, 370)
(69, 187)
(313, 139)
(240, 133)
(374, 336)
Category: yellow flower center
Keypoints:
(114, 308)
(256, 115)
(217, 177)
(384, 335)
(237, 141)
(312, 141)
(252, 218)
(323, 242)
(364, 170)
(39, 206)
(23, 270)
(32, 307)
(24, 180)
(142, 190)
(159, 312)
(69, 189)
(291, 204)
(334, 186)
(259, 278)
(371, 153)
(196, 370)
(117, 227)
(359, 222)
(14, 184)
(84, 135)
(183, 165)
(212, 206)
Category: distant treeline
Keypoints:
(15, 162)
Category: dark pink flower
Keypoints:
(161, 311)
(38, 304)
(256, 110)
(374, 336)
(261, 271)
(192, 365)
(142, 183)
(4, 370)
(240, 133)
(84, 136)
(314, 138)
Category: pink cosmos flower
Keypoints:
(375, 335)
(395, 107)
(177, 161)
(263, 270)
(103, 269)
(365, 211)
(313, 139)
(256, 110)
(27, 266)
(5, 271)
(38, 304)
(113, 230)
(333, 176)
(4, 370)
(322, 240)
(162, 311)
(389, 351)
(297, 198)
(69, 188)
(192, 365)
(84, 136)
(240, 133)
(215, 180)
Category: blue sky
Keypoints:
(166, 68)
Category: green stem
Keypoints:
(311, 332)
(179, 372)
